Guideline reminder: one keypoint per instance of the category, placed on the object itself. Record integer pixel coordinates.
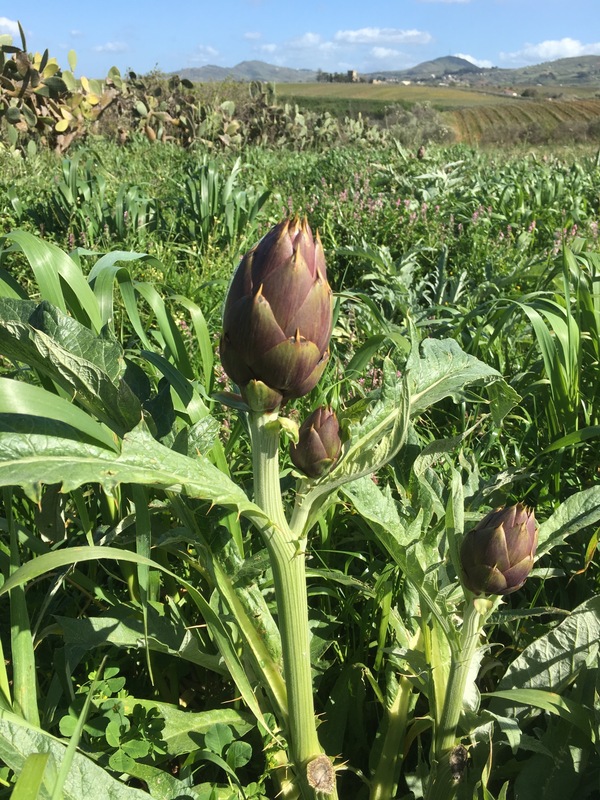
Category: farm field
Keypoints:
(473, 115)
(441, 96)
(330, 528)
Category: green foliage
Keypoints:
(463, 368)
(215, 210)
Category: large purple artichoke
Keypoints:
(278, 317)
(319, 443)
(497, 555)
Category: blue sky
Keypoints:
(334, 36)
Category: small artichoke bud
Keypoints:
(278, 317)
(497, 555)
(319, 444)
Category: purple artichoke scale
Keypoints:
(319, 444)
(277, 319)
(498, 554)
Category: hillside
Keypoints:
(431, 70)
(248, 71)
(579, 71)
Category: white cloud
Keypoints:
(252, 35)
(303, 48)
(111, 47)
(384, 52)
(9, 26)
(307, 40)
(364, 49)
(479, 62)
(204, 54)
(550, 50)
(76, 33)
(382, 36)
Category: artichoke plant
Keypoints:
(497, 555)
(319, 444)
(278, 317)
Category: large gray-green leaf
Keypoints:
(379, 435)
(435, 369)
(70, 335)
(372, 441)
(577, 511)
(401, 539)
(442, 369)
(30, 461)
(64, 350)
(162, 636)
(163, 786)
(18, 740)
(554, 660)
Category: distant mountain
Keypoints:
(430, 70)
(248, 71)
(581, 70)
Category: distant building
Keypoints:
(352, 76)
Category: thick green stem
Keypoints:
(443, 781)
(312, 767)
(387, 771)
(385, 780)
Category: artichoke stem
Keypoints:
(443, 783)
(387, 771)
(289, 577)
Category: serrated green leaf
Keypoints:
(554, 660)
(400, 540)
(378, 436)
(163, 786)
(576, 512)
(82, 363)
(30, 461)
(551, 702)
(440, 368)
(128, 631)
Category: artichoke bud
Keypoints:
(497, 555)
(319, 444)
(278, 317)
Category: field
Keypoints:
(443, 97)
(490, 116)
(330, 529)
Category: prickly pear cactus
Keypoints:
(41, 103)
